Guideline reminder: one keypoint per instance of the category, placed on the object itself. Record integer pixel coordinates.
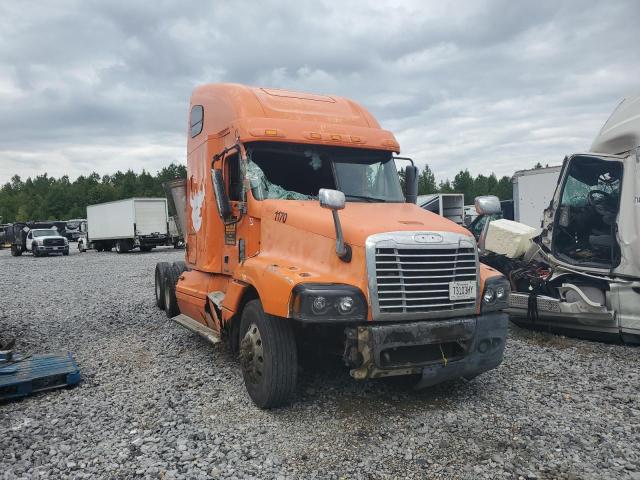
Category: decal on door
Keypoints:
(195, 200)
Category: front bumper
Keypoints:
(53, 249)
(439, 350)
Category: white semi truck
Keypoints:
(126, 224)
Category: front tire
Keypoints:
(171, 275)
(268, 357)
(161, 268)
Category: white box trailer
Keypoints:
(127, 224)
(532, 192)
(448, 205)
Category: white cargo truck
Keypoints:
(532, 192)
(126, 224)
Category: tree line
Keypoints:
(48, 198)
(465, 183)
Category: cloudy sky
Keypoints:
(485, 85)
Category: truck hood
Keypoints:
(359, 219)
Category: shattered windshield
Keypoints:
(585, 225)
(298, 172)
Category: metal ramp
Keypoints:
(23, 375)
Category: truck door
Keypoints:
(548, 215)
(29, 240)
(233, 244)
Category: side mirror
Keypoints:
(411, 183)
(333, 199)
(222, 199)
(488, 205)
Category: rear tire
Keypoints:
(161, 268)
(268, 356)
(15, 251)
(170, 302)
(122, 246)
(181, 266)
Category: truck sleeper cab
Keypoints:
(297, 230)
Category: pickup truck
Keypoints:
(43, 241)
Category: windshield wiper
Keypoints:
(366, 199)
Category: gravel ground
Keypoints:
(159, 402)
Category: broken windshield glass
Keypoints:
(586, 218)
(298, 172)
(263, 189)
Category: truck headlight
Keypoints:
(321, 302)
(496, 294)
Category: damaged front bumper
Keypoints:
(438, 349)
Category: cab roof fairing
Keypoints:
(294, 117)
(621, 132)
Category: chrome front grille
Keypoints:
(52, 242)
(410, 280)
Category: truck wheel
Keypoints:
(122, 246)
(15, 251)
(268, 356)
(181, 266)
(161, 268)
(170, 302)
(34, 251)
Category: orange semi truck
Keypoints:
(298, 234)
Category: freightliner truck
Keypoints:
(298, 233)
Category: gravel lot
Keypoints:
(159, 402)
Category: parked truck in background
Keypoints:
(73, 231)
(532, 192)
(126, 224)
(39, 238)
(447, 205)
(299, 236)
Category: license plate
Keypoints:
(462, 290)
(55, 248)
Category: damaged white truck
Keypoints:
(581, 274)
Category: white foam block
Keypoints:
(508, 238)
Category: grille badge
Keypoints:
(427, 238)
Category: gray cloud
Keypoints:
(489, 86)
